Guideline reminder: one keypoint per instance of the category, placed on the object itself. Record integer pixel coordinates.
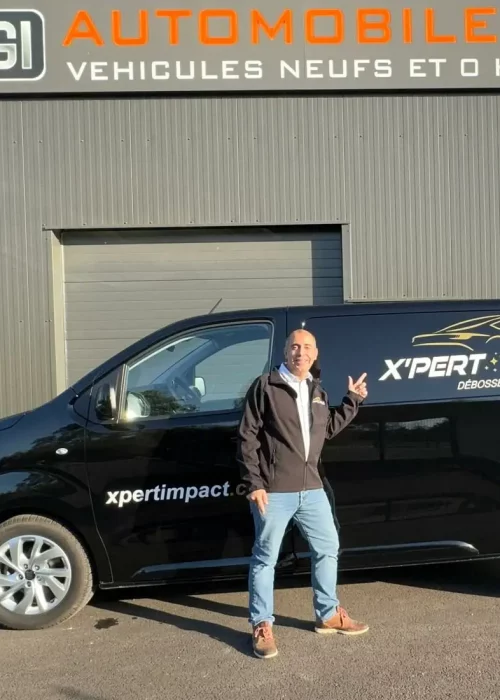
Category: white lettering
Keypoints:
(415, 68)
(227, 66)
(161, 493)
(178, 71)
(473, 67)
(461, 360)
(76, 74)
(392, 371)
(26, 46)
(419, 366)
(285, 67)
(125, 497)
(331, 69)
(205, 75)
(476, 360)
(154, 70)
(312, 65)
(383, 68)
(437, 62)
(9, 49)
(478, 384)
(96, 68)
(191, 492)
(497, 67)
(438, 366)
(253, 69)
(359, 66)
(179, 492)
(128, 71)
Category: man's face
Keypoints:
(300, 353)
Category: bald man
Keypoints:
(285, 423)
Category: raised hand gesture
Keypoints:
(359, 386)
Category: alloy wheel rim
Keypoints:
(35, 575)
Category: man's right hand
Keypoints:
(260, 498)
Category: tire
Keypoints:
(24, 539)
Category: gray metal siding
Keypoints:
(122, 286)
(416, 177)
(26, 363)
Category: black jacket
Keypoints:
(270, 445)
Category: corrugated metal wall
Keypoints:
(416, 177)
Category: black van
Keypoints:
(129, 476)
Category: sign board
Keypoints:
(64, 46)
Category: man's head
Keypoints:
(300, 352)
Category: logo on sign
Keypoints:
(22, 45)
(476, 368)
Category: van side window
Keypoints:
(417, 439)
(359, 442)
(410, 357)
(208, 370)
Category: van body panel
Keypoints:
(153, 489)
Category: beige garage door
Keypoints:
(120, 286)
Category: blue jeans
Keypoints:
(312, 512)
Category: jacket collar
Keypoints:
(275, 378)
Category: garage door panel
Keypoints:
(120, 286)
(242, 262)
(247, 269)
(200, 276)
(205, 241)
(110, 253)
(183, 289)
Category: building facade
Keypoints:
(126, 204)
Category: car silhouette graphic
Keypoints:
(466, 334)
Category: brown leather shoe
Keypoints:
(263, 641)
(340, 623)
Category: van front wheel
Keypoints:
(45, 574)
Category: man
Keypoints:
(285, 422)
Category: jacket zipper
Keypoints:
(310, 433)
(273, 463)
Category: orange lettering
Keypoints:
(116, 30)
(207, 15)
(284, 22)
(471, 24)
(433, 38)
(311, 35)
(407, 26)
(174, 16)
(364, 26)
(90, 32)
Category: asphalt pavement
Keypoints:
(434, 634)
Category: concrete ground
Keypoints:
(434, 634)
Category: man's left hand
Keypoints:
(359, 386)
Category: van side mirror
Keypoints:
(199, 384)
(105, 402)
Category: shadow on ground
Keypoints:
(481, 578)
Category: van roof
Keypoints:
(361, 308)
(366, 307)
